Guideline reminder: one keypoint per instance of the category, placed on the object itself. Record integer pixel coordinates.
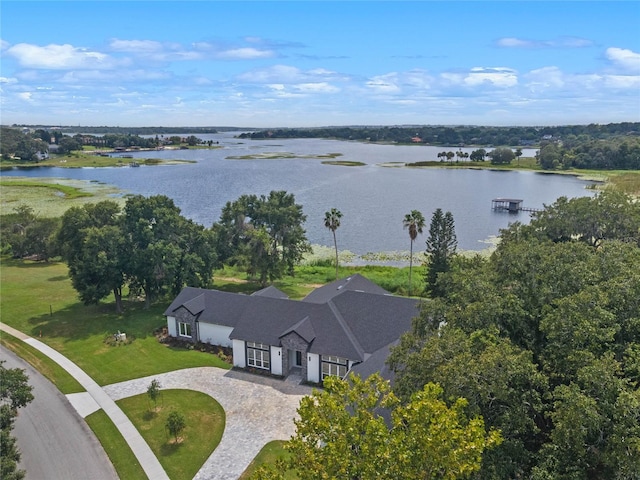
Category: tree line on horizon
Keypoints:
(612, 146)
(455, 135)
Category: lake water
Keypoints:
(373, 198)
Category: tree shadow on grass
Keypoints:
(58, 278)
(149, 415)
(78, 321)
(27, 264)
(170, 447)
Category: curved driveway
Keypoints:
(54, 440)
(258, 409)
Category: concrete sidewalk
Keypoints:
(258, 409)
(138, 445)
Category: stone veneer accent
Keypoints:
(293, 341)
(182, 315)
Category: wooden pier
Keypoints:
(511, 205)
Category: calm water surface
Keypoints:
(373, 198)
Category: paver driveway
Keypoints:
(258, 409)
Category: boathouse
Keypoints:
(509, 204)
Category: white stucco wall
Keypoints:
(313, 367)
(171, 326)
(215, 334)
(276, 360)
(239, 355)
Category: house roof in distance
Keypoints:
(355, 282)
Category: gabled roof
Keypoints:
(355, 282)
(357, 319)
(212, 306)
(271, 292)
(376, 320)
(304, 328)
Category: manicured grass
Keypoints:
(114, 444)
(269, 454)
(205, 421)
(50, 369)
(38, 299)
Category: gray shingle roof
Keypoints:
(355, 282)
(304, 328)
(355, 319)
(270, 291)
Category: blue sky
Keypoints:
(306, 63)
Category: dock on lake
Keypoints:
(511, 205)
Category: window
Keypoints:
(184, 329)
(258, 355)
(333, 366)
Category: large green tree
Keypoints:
(264, 234)
(501, 156)
(542, 339)
(91, 242)
(149, 246)
(15, 392)
(441, 248)
(342, 433)
(610, 215)
(414, 222)
(23, 233)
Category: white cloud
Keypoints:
(560, 42)
(544, 78)
(498, 77)
(136, 46)
(246, 53)
(512, 42)
(384, 84)
(26, 96)
(623, 82)
(8, 80)
(284, 74)
(319, 87)
(59, 57)
(624, 58)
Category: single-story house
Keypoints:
(347, 325)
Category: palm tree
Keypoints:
(332, 222)
(518, 154)
(414, 221)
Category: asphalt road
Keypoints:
(55, 442)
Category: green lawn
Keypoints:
(270, 453)
(47, 367)
(38, 299)
(205, 421)
(121, 456)
(309, 277)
